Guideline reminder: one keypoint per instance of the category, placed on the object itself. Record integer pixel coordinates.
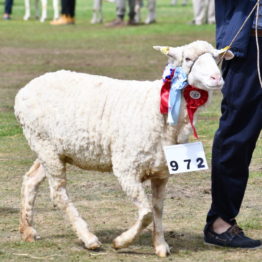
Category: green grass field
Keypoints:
(29, 49)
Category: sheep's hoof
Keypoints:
(93, 244)
(119, 243)
(162, 250)
(29, 234)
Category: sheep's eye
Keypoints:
(188, 59)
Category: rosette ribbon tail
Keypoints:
(195, 98)
(191, 111)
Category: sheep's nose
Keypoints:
(216, 77)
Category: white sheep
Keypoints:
(100, 123)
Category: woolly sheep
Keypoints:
(99, 123)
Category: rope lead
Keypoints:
(256, 7)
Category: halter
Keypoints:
(194, 61)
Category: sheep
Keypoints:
(44, 9)
(97, 16)
(99, 123)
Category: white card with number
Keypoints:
(185, 157)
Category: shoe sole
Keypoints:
(214, 245)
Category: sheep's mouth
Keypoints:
(214, 86)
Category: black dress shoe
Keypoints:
(233, 237)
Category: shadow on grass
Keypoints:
(178, 241)
(13, 210)
(8, 210)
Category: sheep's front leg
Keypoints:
(158, 193)
(134, 189)
(55, 172)
(31, 182)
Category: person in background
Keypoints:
(67, 13)
(204, 12)
(8, 9)
(120, 12)
(240, 123)
(174, 2)
(151, 6)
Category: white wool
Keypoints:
(88, 119)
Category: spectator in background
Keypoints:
(67, 13)
(8, 9)
(151, 6)
(204, 12)
(120, 12)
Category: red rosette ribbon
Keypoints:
(195, 98)
(165, 90)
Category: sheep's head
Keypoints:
(199, 61)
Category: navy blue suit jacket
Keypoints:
(230, 15)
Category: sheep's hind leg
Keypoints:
(57, 181)
(158, 193)
(31, 182)
(134, 189)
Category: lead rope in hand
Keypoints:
(257, 44)
(239, 30)
(256, 7)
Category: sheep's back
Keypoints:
(89, 115)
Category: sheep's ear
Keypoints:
(174, 53)
(162, 49)
(225, 53)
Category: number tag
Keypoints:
(185, 157)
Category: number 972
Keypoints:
(199, 161)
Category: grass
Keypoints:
(27, 50)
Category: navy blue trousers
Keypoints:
(236, 137)
(8, 6)
(68, 7)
